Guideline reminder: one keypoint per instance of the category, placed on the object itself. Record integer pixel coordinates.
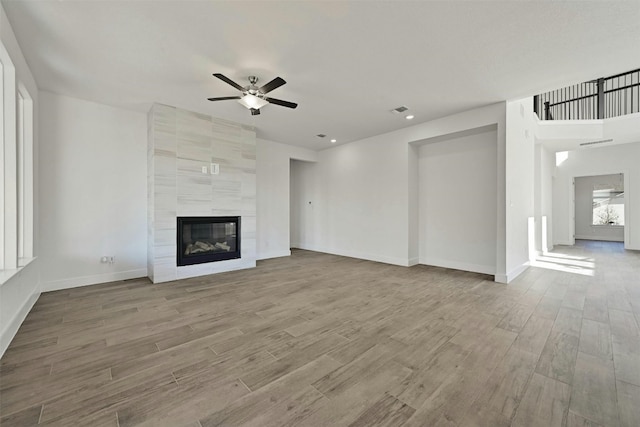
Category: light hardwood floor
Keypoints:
(323, 340)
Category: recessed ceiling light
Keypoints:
(333, 141)
(409, 117)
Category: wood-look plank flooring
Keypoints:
(322, 340)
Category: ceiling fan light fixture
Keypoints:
(252, 102)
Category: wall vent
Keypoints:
(602, 141)
(400, 109)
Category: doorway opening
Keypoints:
(599, 207)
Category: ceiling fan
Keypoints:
(254, 97)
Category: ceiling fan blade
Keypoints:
(224, 98)
(273, 84)
(229, 81)
(255, 111)
(281, 102)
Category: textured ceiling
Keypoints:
(346, 63)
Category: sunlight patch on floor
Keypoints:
(566, 263)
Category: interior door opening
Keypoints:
(599, 207)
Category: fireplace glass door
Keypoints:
(207, 239)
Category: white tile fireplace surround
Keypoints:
(182, 148)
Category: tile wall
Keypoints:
(181, 144)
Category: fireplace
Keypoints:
(207, 239)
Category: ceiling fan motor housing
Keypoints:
(252, 88)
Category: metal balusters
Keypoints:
(598, 99)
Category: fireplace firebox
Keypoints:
(208, 239)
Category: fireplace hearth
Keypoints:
(207, 239)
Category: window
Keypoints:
(608, 205)
(20, 163)
(16, 162)
(561, 156)
(24, 174)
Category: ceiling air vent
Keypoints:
(602, 141)
(400, 109)
(321, 135)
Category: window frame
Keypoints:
(17, 180)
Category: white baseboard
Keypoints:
(76, 282)
(275, 254)
(501, 278)
(457, 265)
(414, 261)
(510, 276)
(11, 329)
(604, 239)
(404, 262)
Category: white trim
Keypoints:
(76, 282)
(5, 275)
(9, 221)
(457, 265)
(414, 261)
(604, 239)
(403, 262)
(510, 276)
(501, 278)
(572, 212)
(3, 56)
(627, 209)
(25, 189)
(627, 204)
(10, 331)
(275, 254)
(543, 253)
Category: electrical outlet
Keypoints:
(204, 169)
(104, 259)
(112, 260)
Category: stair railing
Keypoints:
(602, 98)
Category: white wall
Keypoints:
(458, 207)
(273, 195)
(21, 290)
(366, 196)
(598, 161)
(519, 184)
(584, 209)
(362, 204)
(543, 197)
(93, 192)
(566, 135)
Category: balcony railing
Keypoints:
(597, 99)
